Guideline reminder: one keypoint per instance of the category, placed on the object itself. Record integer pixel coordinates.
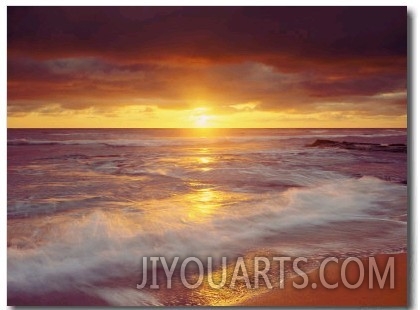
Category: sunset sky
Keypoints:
(207, 66)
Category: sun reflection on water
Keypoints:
(203, 203)
(205, 160)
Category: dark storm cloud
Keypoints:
(212, 32)
(282, 57)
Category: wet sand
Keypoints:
(289, 296)
(342, 296)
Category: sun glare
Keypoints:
(200, 117)
(202, 121)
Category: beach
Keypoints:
(342, 296)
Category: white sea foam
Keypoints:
(102, 245)
(121, 297)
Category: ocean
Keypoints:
(84, 206)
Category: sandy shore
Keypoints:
(288, 296)
(341, 296)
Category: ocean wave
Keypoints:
(103, 244)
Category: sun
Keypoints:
(202, 121)
(201, 117)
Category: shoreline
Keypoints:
(320, 296)
(341, 296)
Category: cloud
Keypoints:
(213, 33)
(294, 59)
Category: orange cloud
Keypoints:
(288, 59)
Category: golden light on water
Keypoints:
(203, 203)
(205, 160)
(228, 295)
